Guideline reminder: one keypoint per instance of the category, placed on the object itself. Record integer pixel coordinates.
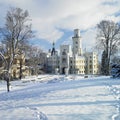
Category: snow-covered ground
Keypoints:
(56, 97)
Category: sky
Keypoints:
(55, 20)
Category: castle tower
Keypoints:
(65, 53)
(77, 46)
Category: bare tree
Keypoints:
(108, 40)
(116, 59)
(21, 63)
(33, 61)
(16, 32)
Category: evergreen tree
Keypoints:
(115, 71)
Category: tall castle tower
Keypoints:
(77, 47)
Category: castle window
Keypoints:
(64, 52)
(63, 60)
(90, 66)
(90, 61)
(76, 35)
(14, 74)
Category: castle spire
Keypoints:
(53, 44)
(53, 49)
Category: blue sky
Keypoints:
(55, 20)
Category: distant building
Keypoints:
(71, 59)
(19, 69)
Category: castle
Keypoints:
(71, 59)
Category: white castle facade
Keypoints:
(71, 59)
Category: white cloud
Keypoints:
(68, 41)
(49, 16)
(89, 39)
(46, 30)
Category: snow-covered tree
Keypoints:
(15, 33)
(108, 39)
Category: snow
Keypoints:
(57, 97)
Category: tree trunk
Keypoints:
(20, 76)
(8, 82)
(8, 85)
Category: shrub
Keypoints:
(115, 71)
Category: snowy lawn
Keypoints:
(52, 97)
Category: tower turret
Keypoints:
(76, 33)
(77, 47)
